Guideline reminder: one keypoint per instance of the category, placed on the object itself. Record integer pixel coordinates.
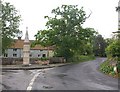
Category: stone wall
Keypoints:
(16, 61)
(10, 61)
(57, 60)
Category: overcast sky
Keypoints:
(104, 18)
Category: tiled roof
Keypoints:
(19, 44)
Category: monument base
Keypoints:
(26, 65)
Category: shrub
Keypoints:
(43, 58)
(113, 50)
(105, 67)
(81, 58)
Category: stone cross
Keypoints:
(26, 49)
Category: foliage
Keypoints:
(118, 8)
(81, 58)
(109, 41)
(65, 32)
(43, 58)
(106, 67)
(113, 54)
(9, 24)
(99, 46)
(113, 50)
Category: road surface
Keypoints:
(82, 76)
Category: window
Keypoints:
(39, 55)
(14, 49)
(5, 55)
(44, 55)
(14, 55)
(41, 50)
(30, 55)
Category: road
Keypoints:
(82, 76)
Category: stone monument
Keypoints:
(26, 49)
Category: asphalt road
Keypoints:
(83, 76)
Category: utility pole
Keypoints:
(118, 10)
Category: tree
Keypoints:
(65, 31)
(109, 40)
(99, 46)
(9, 24)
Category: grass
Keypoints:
(81, 58)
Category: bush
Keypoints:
(43, 58)
(113, 50)
(81, 58)
(106, 67)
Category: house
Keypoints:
(16, 50)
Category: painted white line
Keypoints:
(35, 76)
(29, 88)
(32, 81)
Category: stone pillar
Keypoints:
(26, 49)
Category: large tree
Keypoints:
(9, 23)
(99, 46)
(65, 31)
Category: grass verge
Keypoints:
(81, 58)
(107, 68)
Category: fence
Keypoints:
(14, 61)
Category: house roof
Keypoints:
(18, 43)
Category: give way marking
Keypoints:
(34, 77)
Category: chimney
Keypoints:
(19, 35)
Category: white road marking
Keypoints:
(35, 76)
(29, 88)
(32, 81)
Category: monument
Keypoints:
(26, 49)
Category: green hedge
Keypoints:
(81, 58)
(43, 59)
